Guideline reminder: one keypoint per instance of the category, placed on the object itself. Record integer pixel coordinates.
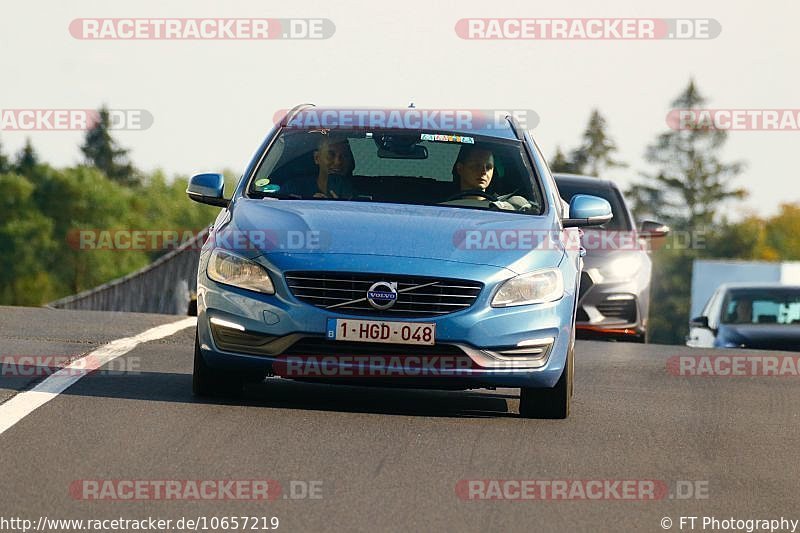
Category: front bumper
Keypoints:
(523, 346)
(610, 309)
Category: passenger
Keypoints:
(335, 162)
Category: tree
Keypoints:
(27, 160)
(104, 153)
(25, 239)
(690, 182)
(746, 239)
(594, 155)
(645, 201)
(560, 163)
(83, 198)
(783, 233)
(686, 190)
(5, 164)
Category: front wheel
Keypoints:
(553, 403)
(207, 381)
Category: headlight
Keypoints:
(230, 269)
(624, 267)
(532, 288)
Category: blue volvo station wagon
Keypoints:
(406, 247)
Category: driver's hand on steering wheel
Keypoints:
(331, 194)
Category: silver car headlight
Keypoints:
(231, 269)
(624, 268)
(531, 288)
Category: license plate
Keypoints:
(344, 329)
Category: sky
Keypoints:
(213, 101)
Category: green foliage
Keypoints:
(83, 198)
(25, 237)
(159, 204)
(43, 210)
(690, 182)
(670, 294)
(27, 160)
(595, 154)
(775, 238)
(103, 152)
(5, 164)
(686, 191)
(782, 233)
(561, 163)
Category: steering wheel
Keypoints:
(489, 196)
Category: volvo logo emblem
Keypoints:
(382, 295)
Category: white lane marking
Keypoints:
(26, 402)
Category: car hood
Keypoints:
(396, 230)
(763, 336)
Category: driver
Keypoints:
(743, 313)
(473, 170)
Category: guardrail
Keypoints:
(168, 285)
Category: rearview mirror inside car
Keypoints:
(397, 146)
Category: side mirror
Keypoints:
(650, 229)
(207, 189)
(699, 322)
(585, 210)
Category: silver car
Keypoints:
(614, 297)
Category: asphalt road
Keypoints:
(390, 460)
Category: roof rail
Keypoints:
(514, 126)
(294, 111)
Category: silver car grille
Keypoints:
(621, 309)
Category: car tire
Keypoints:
(553, 403)
(207, 381)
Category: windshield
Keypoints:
(425, 168)
(762, 306)
(619, 222)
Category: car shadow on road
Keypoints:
(288, 394)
